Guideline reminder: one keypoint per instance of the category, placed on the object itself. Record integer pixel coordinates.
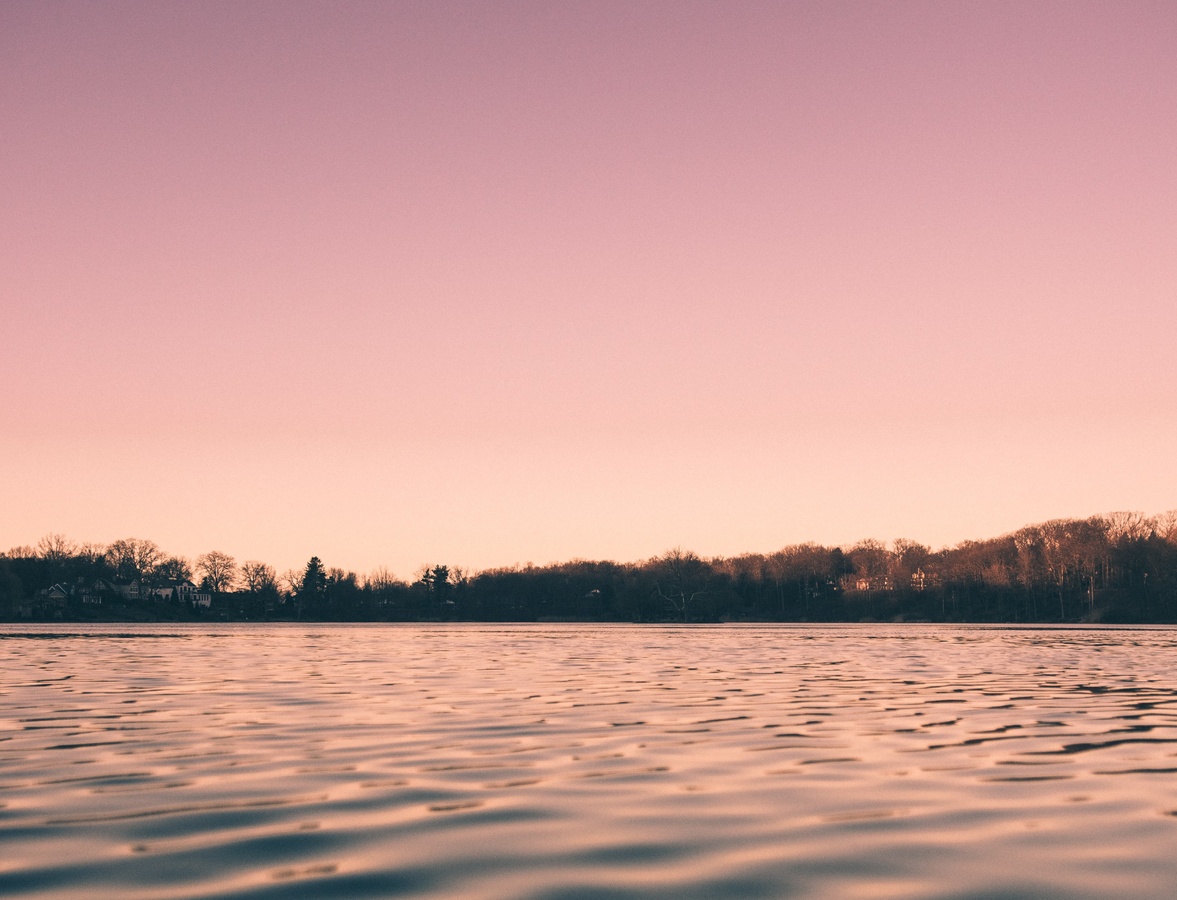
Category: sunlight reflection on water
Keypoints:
(532, 761)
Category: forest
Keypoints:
(1113, 568)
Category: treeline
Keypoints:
(1119, 567)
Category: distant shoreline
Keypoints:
(1118, 568)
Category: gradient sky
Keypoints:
(489, 283)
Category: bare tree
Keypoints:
(336, 576)
(684, 575)
(56, 548)
(92, 553)
(379, 579)
(174, 568)
(134, 558)
(906, 557)
(1165, 525)
(1126, 525)
(292, 580)
(871, 560)
(258, 577)
(219, 570)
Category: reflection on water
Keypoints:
(587, 761)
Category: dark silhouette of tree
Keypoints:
(342, 594)
(261, 588)
(11, 589)
(1118, 567)
(258, 577)
(133, 559)
(680, 580)
(312, 588)
(386, 594)
(219, 570)
(56, 548)
(173, 569)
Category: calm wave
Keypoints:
(587, 761)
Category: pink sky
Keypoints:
(491, 283)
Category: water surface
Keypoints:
(530, 761)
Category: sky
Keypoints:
(486, 284)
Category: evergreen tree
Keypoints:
(313, 589)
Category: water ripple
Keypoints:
(581, 762)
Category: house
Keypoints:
(129, 591)
(921, 580)
(181, 592)
(87, 593)
(186, 592)
(105, 589)
(48, 603)
(868, 583)
(57, 595)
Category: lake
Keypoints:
(587, 761)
